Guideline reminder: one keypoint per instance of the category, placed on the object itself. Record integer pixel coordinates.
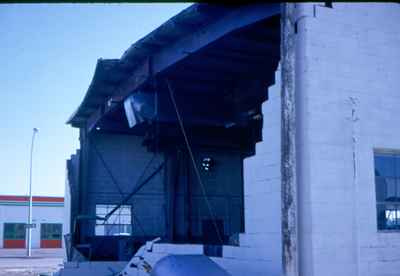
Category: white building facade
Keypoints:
(47, 216)
(347, 146)
(347, 150)
(348, 99)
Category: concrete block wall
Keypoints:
(348, 67)
(259, 252)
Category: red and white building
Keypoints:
(47, 216)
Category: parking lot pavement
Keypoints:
(13, 262)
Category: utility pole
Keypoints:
(29, 226)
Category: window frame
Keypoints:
(379, 203)
(47, 237)
(15, 234)
(101, 223)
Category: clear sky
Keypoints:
(48, 55)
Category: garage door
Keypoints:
(14, 235)
(50, 235)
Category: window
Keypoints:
(14, 231)
(119, 223)
(387, 186)
(50, 231)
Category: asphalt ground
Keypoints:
(14, 262)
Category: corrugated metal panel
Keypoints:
(108, 72)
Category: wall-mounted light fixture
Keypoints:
(207, 163)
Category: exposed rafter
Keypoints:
(183, 42)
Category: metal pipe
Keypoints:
(29, 226)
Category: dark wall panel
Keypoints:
(124, 157)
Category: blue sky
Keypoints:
(48, 55)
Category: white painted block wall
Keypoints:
(348, 102)
(259, 253)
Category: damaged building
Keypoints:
(262, 136)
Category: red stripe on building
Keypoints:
(50, 243)
(14, 243)
(34, 198)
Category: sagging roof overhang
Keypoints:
(195, 43)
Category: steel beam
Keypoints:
(179, 50)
